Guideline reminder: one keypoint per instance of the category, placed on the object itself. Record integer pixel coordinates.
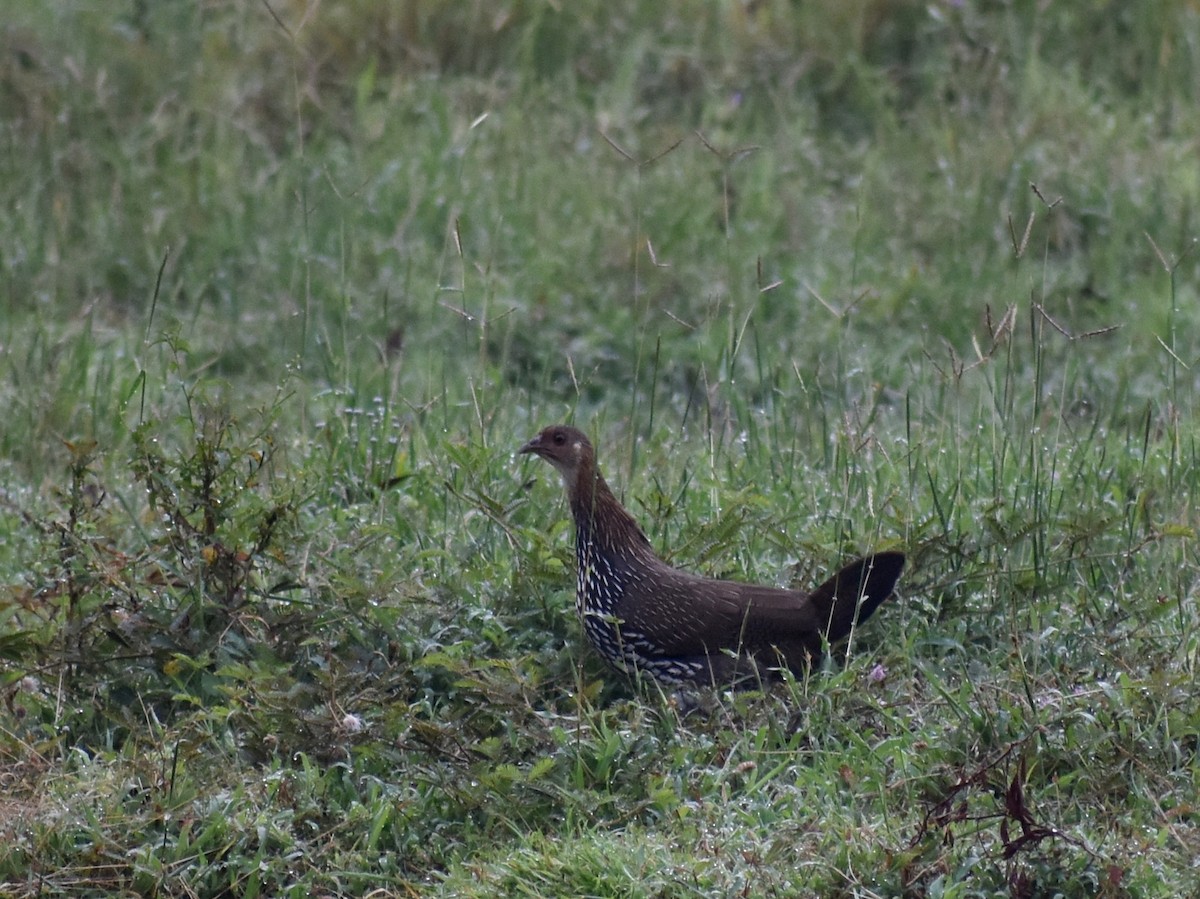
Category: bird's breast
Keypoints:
(601, 583)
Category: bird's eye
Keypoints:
(560, 439)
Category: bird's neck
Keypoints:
(601, 522)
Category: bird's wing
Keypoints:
(682, 614)
(685, 615)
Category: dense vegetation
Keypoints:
(286, 284)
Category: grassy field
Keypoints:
(285, 285)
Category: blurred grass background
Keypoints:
(285, 284)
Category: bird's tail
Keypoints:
(853, 594)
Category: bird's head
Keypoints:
(566, 448)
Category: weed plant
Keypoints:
(284, 287)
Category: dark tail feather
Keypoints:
(861, 586)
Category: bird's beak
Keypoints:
(533, 446)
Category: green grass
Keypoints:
(284, 288)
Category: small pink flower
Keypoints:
(878, 674)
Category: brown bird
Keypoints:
(641, 614)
